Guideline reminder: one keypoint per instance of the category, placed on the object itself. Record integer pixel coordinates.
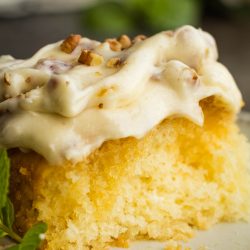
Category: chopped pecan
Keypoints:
(100, 105)
(169, 33)
(125, 41)
(195, 77)
(139, 38)
(114, 62)
(70, 43)
(90, 58)
(114, 44)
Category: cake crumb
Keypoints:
(174, 245)
(122, 241)
(23, 171)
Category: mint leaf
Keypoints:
(4, 185)
(8, 231)
(4, 177)
(8, 214)
(32, 238)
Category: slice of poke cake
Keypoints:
(124, 139)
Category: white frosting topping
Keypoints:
(64, 110)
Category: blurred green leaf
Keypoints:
(163, 14)
(109, 18)
(4, 178)
(16, 247)
(8, 214)
(32, 238)
(2, 233)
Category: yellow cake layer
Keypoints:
(177, 178)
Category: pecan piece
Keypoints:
(139, 38)
(114, 62)
(169, 33)
(90, 58)
(114, 44)
(70, 43)
(125, 41)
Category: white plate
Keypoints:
(231, 236)
(225, 236)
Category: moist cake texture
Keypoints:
(122, 140)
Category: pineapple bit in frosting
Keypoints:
(73, 95)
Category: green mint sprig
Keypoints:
(33, 237)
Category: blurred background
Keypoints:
(27, 25)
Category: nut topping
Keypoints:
(195, 77)
(125, 41)
(169, 33)
(114, 62)
(90, 58)
(139, 38)
(114, 44)
(70, 43)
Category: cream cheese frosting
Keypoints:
(64, 110)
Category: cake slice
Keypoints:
(122, 140)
